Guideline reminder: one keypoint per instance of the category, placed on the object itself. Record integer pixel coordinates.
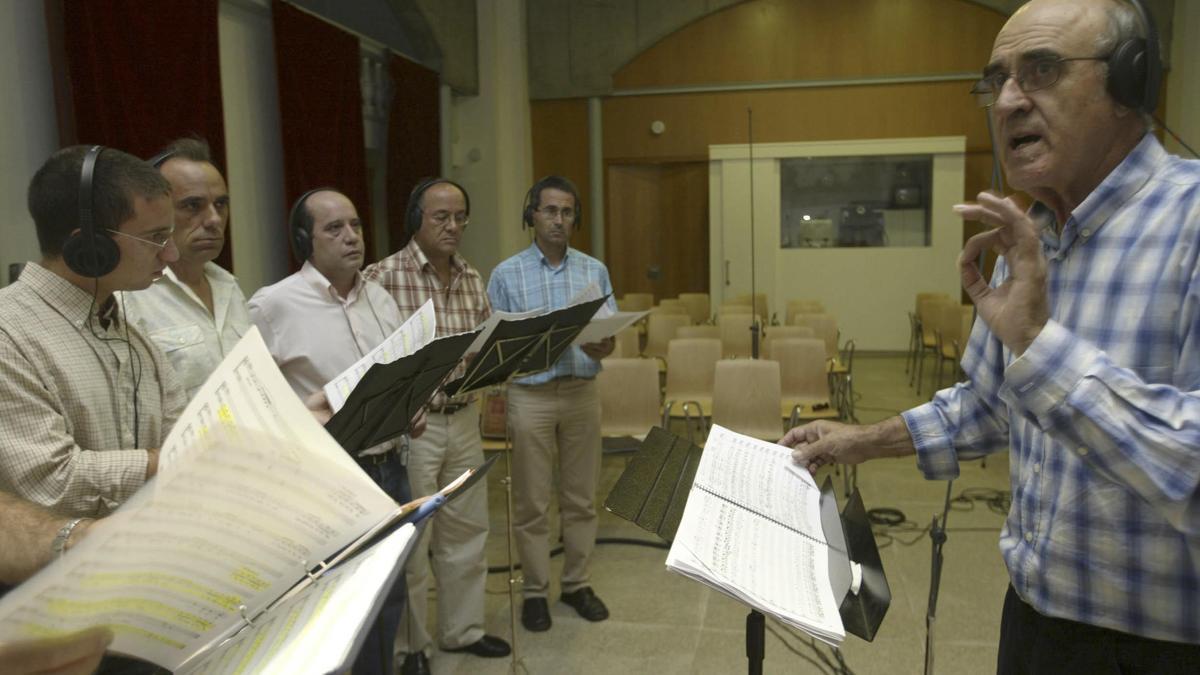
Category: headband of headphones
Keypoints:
(412, 211)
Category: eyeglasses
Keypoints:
(1031, 76)
(443, 218)
(159, 240)
(553, 212)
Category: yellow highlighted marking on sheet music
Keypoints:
(225, 415)
(110, 580)
(172, 615)
(244, 576)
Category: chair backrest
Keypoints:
(660, 329)
(629, 398)
(795, 307)
(698, 306)
(927, 313)
(758, 301)
(774, 333)
(671, 306)
(735, 335)
(804, 376)
(692, 362)
(949, 327)
(705, 331)
(824, 326)
(930, 296)
(635, 302)
(628, 343)
(733, 308)
(746, 397)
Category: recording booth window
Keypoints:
(828, 202)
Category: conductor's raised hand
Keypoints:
(1016, 310)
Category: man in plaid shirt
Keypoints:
(430, 266)
(1085, 363)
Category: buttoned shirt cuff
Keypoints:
(936, 457)
(1040, 380)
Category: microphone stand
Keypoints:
(937, 534)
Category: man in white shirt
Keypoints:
(195, 312)
(320, 321)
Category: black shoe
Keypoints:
(488, 646)
(586, 603)
(415, 664)
(535, 615)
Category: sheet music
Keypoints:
(235, 525)
(413, 334)
(592, 292)
(752, 529)
(248, 392)
(314, 631)
(600, 328)
(489, 325)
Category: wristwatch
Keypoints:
(59, 545)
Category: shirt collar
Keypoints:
(313, 277)
(458, 264)
(541, 257)
(69, 300)
(1117, 188)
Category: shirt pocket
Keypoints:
(177, 337)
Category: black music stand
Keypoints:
(524, 346)
(383, 403)
(653, 491)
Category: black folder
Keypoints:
(384, 402)
(524, 346)
(654, 488)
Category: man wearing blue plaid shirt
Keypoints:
(556, 411)
(1085, 363)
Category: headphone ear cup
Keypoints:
(301, 244)
(91, 259)
(1127, 73)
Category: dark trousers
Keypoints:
(1034, 644)
(377, 656)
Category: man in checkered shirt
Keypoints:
(1085, 360)
(430, 266)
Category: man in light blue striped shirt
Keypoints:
(555, 411)
(1085, 362)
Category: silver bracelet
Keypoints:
(59, 545)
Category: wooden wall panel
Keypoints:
(560, 146)
(772, 40)
(657, 216)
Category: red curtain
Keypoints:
(321, 111)
(143, 72)
(413, 151)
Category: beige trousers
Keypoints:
(456, 536)
(559, 421)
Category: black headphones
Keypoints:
(412, 212)
(1135, 67)
(87, 252)
(535, 193)
(161, 158)
(301, 236)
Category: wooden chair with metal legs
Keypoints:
(671, 306)
(628, 344)
(660, 330)
(804, 380)
(927, 315)
(698, 305)
(629, 402)
(702, 331)
(746, 397)
(774, 333)
(735, 335)
(635, 302)
(689, 390)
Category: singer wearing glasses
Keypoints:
(1084, 362)
(85, 399)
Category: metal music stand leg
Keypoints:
(756, 642)
(517, 665)
(937, 534)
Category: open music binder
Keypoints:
(383, 403)
(260, 523)
(524, 346)
(744, 521)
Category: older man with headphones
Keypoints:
(320, 321)
(430, 267)
(85, 398)
(554, 415)
(1085, 360)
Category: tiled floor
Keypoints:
(664, 623)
